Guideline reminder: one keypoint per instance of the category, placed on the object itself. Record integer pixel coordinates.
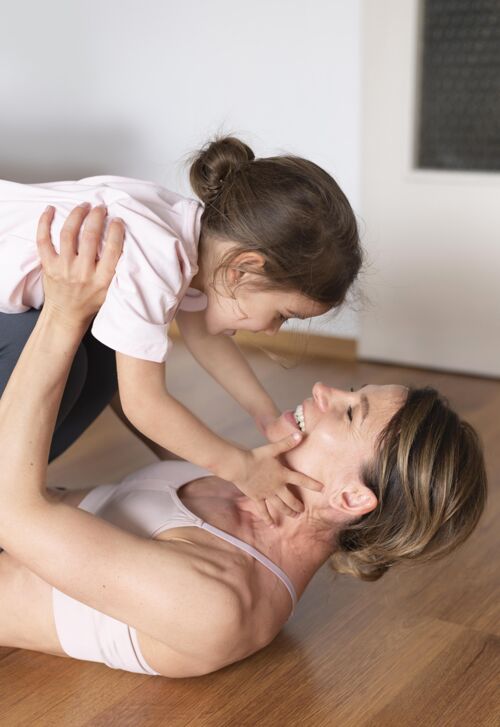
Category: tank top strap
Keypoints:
(258, 556)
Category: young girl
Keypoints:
(275, 238)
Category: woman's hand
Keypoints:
(75, 284)
(264, 479)
(75, 281)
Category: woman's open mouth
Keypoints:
(299, 417)
(296, 417)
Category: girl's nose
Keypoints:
(272, 329)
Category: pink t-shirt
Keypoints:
(152, 277)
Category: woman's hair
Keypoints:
(285, 208)
(429, 477)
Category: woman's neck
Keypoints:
(298, 545)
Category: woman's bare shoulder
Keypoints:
(212, 633)
(226, 618)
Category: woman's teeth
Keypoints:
(299, 417)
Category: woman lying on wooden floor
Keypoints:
(172, 572)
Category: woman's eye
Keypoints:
(349, 413)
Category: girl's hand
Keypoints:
(75, 281)
(263, 477)
(265, 423)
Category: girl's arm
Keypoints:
(133, 579)
(223, 360)
(160, 417)
(150, 408)
(162, 453)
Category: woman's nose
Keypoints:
(322, 395)
(326, 396)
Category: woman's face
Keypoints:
(341, 428)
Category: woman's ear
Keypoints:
(358, 500)
(354, 500)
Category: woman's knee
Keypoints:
(74, 385)
(15, 329)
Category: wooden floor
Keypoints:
(418, 647)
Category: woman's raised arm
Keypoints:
(133, 579)
(75, 285)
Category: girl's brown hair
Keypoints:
(285, 208)
(430, 481)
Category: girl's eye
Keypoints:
(349, 413)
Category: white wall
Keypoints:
(130, 86)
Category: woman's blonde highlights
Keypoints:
(430, 482)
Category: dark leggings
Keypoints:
(91, 384)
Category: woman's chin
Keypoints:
(297, 457)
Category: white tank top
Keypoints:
(145, 503)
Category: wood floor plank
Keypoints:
(5, 651)
(468, 674)
(49, 690)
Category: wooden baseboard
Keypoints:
(294, 344)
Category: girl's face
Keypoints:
(258, 311)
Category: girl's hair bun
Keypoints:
(214, 162)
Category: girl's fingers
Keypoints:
(283, 445)
(70, 231)
(291, 502)
(113, 247)
(300, 480)
(264, 512)
(281, 505)
(44, 238)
